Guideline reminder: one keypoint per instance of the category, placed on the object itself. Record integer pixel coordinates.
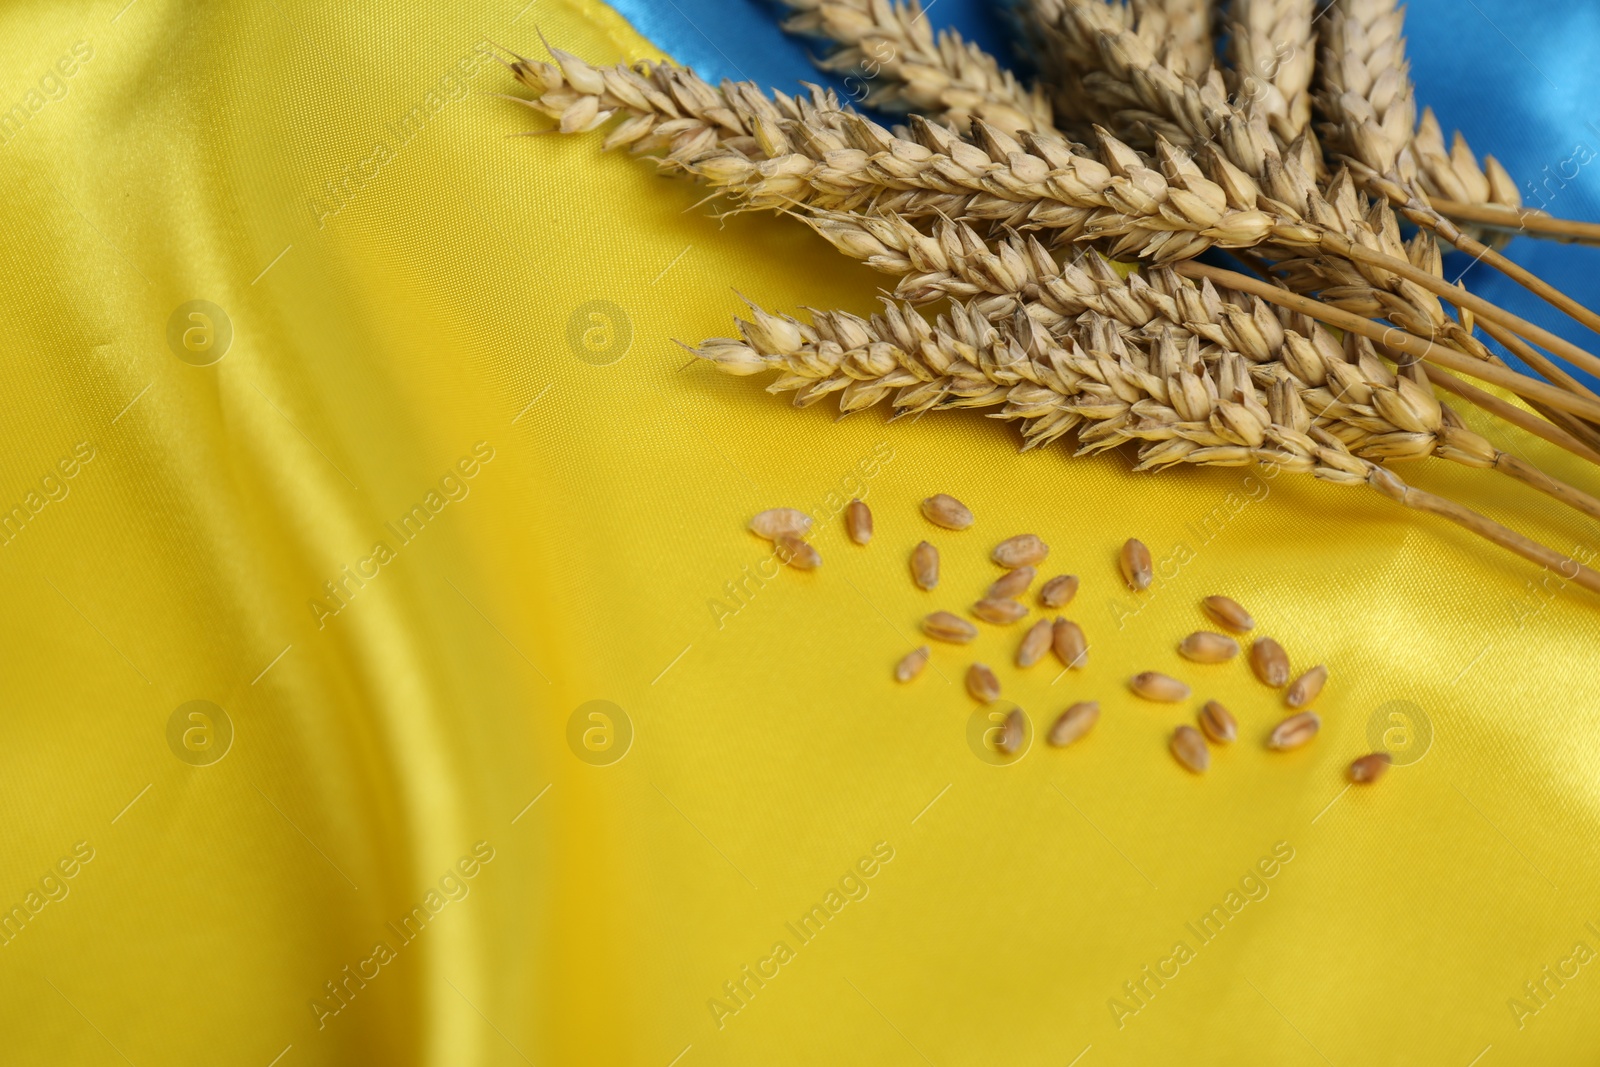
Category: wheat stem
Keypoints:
(1584, 431)
(1528, 474)
(1509, 412)
(1410, 344)
(1520, 221)
(1413, 208)
(1390, 485)
(1342, 246)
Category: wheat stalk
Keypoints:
(955, 262)
(1179, 400)
(1513, 221)
(1191, 364)
(818, 153)
(1163, 103)
(1377, 415)
(774, 152)
(1147, 99)
(894, 55)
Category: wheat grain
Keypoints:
(1307, 687)
(774, 521)
(1023, 550)
(797, 553)
(1013, 731)
(1058, 591)
(1074, 723)
(1228, 614)
(1369, 768)
(1202, 646)
(1190, 749)
(1134, 561)
(1153, 685)
(858, 521)
(911, 664)
(998, 611)
(1070, 645)
(943, 626)
(982, 685)
(1294, 731)
(1012, 585)
(943, 510)
(1035, 643)
(925, 565)
(1269, 662)
(1218, 723)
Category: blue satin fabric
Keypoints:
(1520, 79)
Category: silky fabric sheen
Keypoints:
(451, 483)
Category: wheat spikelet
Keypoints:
(1273, 46)
(1116, 332)
(1180, 399)
(670, 109)
(1118, 73)
(1187, 31)
(1367, 95)
(901, 65)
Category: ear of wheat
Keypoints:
(1056, 227)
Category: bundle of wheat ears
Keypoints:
(1060, 221)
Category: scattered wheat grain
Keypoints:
(1203, 646)
(1294, 731)
(1076, 721)
(1307, 687)
(1270, 662)
(858, 521)
(925, 565)
(1189, 748)
(1228, 614)
(1020, 551)
(1369, 768)
(1013, 585)
(1035, 643)
(911, 664)
(1153, 685)
(946, 511)
(999, 611)
(1012, 733)
(797, 553)
(982, 684)
(1137, 570)
(1059, 591)
(1072, 648)
(1218, 723)
(943, 626)
(775, 521)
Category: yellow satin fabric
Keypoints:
(402, 812)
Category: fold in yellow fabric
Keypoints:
(389, 676)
